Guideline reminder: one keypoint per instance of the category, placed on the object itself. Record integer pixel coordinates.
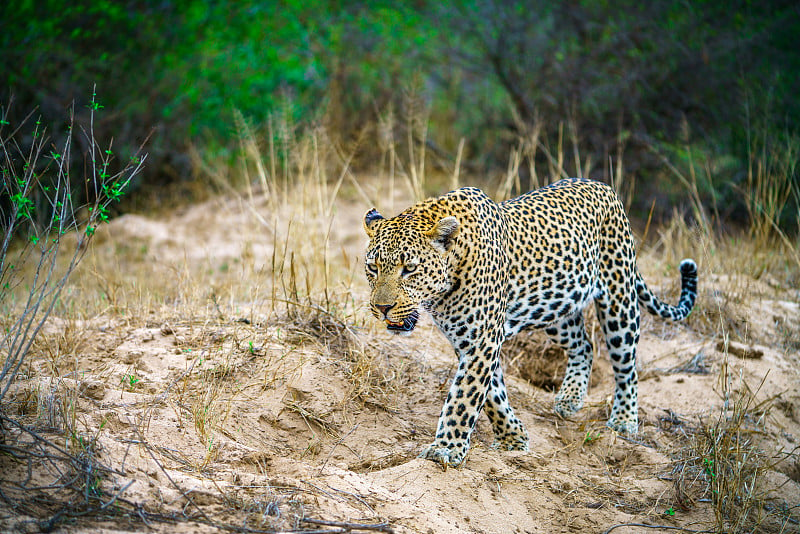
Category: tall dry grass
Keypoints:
(724, 458)
(295, 186)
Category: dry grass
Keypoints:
(311, 289)
(735, 271)
(723, 459)
(372, 378)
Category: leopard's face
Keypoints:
(406, 266)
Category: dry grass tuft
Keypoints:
(57, 346)
(209, 408)
(722, 460)
(372, 377)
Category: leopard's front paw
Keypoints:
(445, 456)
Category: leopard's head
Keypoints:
(406, 265)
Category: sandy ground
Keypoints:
(257, 420)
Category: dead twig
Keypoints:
(350, 527)
(334, 448)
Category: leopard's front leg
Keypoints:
(464, 402)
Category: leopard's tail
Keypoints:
(688, 294)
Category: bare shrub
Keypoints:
(41, 227)
(44, 235)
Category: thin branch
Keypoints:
(349, 527)
(660, 527)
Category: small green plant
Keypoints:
(591, 437)
(129, 380)
(93, 104)
(669, 511)
(708, 466)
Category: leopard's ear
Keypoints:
(371, 217)
(444, 232)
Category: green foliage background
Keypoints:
(712, 76)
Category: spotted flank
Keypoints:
(487, 270)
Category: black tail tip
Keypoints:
(688, 267)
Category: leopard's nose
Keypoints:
(384, 308)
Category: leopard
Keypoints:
(486, 270)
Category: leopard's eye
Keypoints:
(372, 268)
(408, 269)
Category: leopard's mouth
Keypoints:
(407, 325)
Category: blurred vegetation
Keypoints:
(709, 86)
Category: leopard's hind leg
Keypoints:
(619, 319)
(570, 334)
